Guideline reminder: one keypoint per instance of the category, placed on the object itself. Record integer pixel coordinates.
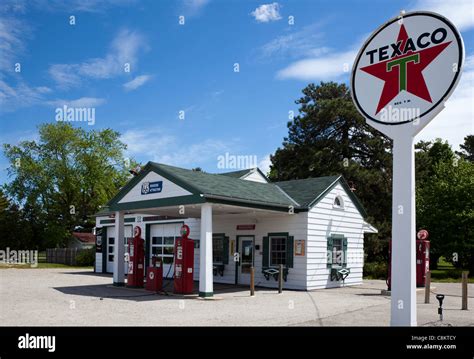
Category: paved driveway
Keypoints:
(68, 297)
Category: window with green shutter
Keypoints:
(278, 249)
(336, 251)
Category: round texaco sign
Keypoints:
(407, 68)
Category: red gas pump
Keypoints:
(154, 278)
(183, 263)
(422, 259)
(136, 258)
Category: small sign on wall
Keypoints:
(245, 227)
(152, 187)
(299, 247)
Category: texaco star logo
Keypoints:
(403, 72)
(407, 68)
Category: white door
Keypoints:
(163, 237)
(246, 255)
(110, 250)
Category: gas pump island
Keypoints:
(183, 264)
(401, 79)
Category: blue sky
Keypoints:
(190, 68)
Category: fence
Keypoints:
(62, 255)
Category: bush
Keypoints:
(86, 257)
(376, 270)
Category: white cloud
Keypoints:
(21, 95)
(305, 42)
(457, 119)
(159, 146)
(460, 12)
(136, 82)
(331, 66)
(124, 49)
(88, 6)
(267, 12)
(264, 164)
(80, 102)
(194, 7)
(13, 33)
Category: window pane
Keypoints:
(156, 240)
(111, 258)
(169, 240)
(277, 251)
(111, 249)
(111, 240)
(218, 249)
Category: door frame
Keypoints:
(237, 248)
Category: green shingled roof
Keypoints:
(305, 191)
(227, 188)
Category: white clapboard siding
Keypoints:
(324, 220)
(295, 225)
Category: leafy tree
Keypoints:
(467, 149)
(445, 206)
(329, 137)
(62, 179)
(14, 226)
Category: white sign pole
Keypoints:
(403, 258)
(403, 271)
(400, 81)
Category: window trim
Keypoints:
(341, 201)
(270, 237)
(220, 236)
(330, 249)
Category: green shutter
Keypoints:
(289, 251)
(266, 252)
(225, 246)
(344, 251)
(330, 244)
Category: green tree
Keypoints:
(62, 179)
(329, 137)
(14, 226)
(445, 207)
(467, 148)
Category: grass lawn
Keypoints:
(447, 273)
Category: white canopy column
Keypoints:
(205, 253)
(119, 250)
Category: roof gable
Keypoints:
(251, 174)
(308, 192)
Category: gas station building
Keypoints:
(313, 227)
